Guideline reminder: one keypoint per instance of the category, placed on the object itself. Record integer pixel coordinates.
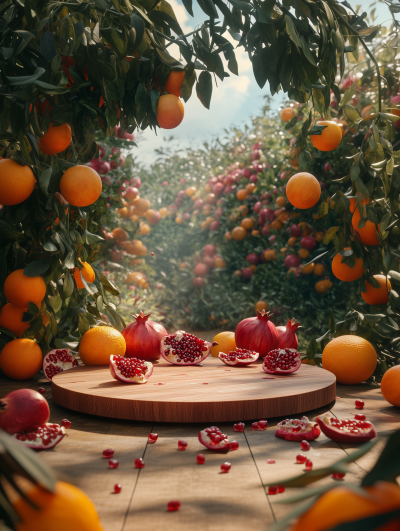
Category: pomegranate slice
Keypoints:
(213, 439)
(130, 370)
(185, 349)
(239, 357)
(58, 360)
(297, 430)
(346, 430)
(42, 438)
(282, 361)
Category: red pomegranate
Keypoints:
(58, 360)
(282, 361)
(247, 173)
(201, 270)
(265, 231)
(292, 260)
(257, 207)
(130, 370)
(247, 272)
(23, 410)
(143, 338)
(257, 334)
(41, 438)
(294, 230)
(131, 193)
(327, 167)
(215, 225)
(103, 167)
(253, 179)
(213, 439)
(287, 335)
(218, 188)
(266, 215)
(239, 357)
(209, 261)
(346, 430)
(308, 242)
(199, 282)
(252, 259)
(182, 348)
(136, 181)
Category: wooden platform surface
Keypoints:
(211, 501)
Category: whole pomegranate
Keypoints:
(136, 181)
(257, 207)
(308, 242)
(257, 334)
(23, 410)
(253, 179)
(247, 173)
(265, 231)
(143, 338)
(252, 259)
(266, 215)
(294, 230)
(327, 167)
(103, 167)
(287, 335)
(198, 282)
(292, 260)
(247, 272)
(210, 249)
(215, 225)
(199, 203)
(209, 261)
(131, 193)
(218, 188)
(201, 270)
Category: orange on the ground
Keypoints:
(390, 386)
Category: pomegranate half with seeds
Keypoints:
(346, 430)
(130, 370)
(58, 360)
(185, 349)
(239, 357)
(282, 361)
(42, 438)
(213, 439)
(297, 430)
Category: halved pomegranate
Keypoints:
(282, 361)
(42, 438)
(58, 360)
(130, 370)
(346, 430)
(239, 357)
(185, 349)
(297, 430)
(213, 439)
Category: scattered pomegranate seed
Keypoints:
(108, 453)
(360, 416)
(359, 404)
(42, 390)
(225, 467)
(338, 475)
(239, 426)
(301, 459)
(117, 488)
(182, 445)
(152, 437)
(113, 463)
(305, 445)
(273, 489)
(309, 464)
(205, 383)
(234, 445)
(152, 254)
(262, 424)
(255, 426)
(174, 505)
(271, 461)
(200, 459)
(66, 423)
(139, 463)
(281, 488)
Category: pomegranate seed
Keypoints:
(108, 453)
(201, 459)
(42, 390)
(139, 463)
(66, 423)
(182, 445)
(338, 475)
(174, 505)
(360, 416)
(271, 461)
(281, 488)
(273, 489)
(225, 467)
(152, 438)
(262, 424)
(234, 445)
(309, 464)
(359, 404)
(239, 426)
(152, 254)
(113, 463)
(255, 426)
(117, 488)
(305, 445)
(301, 459)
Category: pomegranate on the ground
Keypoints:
(143, 338)
(257, 334)
(287, 335)
(260, 425)
(346, 430)
(225, 467)
(213, 439)
(23, 410)
(182, 445)
(174, 505)
(298, 430)
(66, 424)
(108, 453)
(58, 360)
(301, 459)
(239, 426)
(117, 488)
(42, 438)
(185, 349)
(113, 463)
(200, 459)
(152, 437)
(359, 404)
(239, 357)
(130, 370)
(282, 361)
(139, 463)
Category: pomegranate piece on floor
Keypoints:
(359, 404)
(309, 464)
(42, 390)
(297, 430)
(130, 370)
(213, 439)
(66, 423)
(305, 446)
(174, 505)
(58, 360)
(239, 426)
(346, 430)
(117, 488)
(108, 453)
(281, 489)
(139, 463)
(182, 445)
(360, 416)
(225, 467)
(234, 445)
(200, 459)
(273, 489)
(42, 438)
(270, 461)
(239, 357)
(185, 349)
(23, 410)
(113, 463)
(338, 475)
(301, 459)
(152, 437)
(282, 361)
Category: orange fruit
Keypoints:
(283, 217)
(143, 251)
(219, 263)
(329, 139)
(269, 256)
(255, 233)
(292, 241)
(239, 233)
(20, 289)
(294, 157)
(163, 212)
(152, 216)
(21, 359)
(65, 509)
(120, 234)
(226, 343)
(174, 82)
(283, 250)
(141, 206)
(367, 234)
(56, 139)
(281, 201)
(136, 278)
(319, 270)
(123, 212)
(343, 505)
(134, 247)
(319, 236)
(305, 228)
(247, 223)
(276, 224)
(303, 190)
(353, 203)
(323, 286)
(170, 111)
(81, 186)
(292, 273)
(228, 236)
(287, 114)
(16, 182)
(261, 305)
(87, 273)
(243, 209)
(303, 253)
(99, 343)
(11, 319)
(352, 359)
(308, 269)
(190, 191)
(390, 386)
(250, 187)
(241, 194)
(377, 295)
(144, 229)
(344, 272)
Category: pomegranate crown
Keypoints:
(264, 315)
(292, 325)
(141, 317)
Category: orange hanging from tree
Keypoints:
(303, 190)
(56, 139)
(329, 139)
(344, 272)
(174, 82)
(377, 295)
(170, 111)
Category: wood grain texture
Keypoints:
(209, 393)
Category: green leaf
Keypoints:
(304, 160)
(291, 124)
(208, 7)
(387, 467)
(38, 267)
(292, 31)
(329, 234)
(189, 7)
(348, 95)
(154, 97)
(204, 88)
(44, 179)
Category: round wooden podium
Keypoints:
(209, 393)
